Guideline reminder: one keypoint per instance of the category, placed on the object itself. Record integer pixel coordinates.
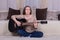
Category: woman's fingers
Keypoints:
(18, 23)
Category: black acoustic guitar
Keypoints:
(11, 25)
(24, 25)
(27, 26)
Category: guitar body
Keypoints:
(11, 26)
(28, 27)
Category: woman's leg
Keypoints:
(36, 34)
(22, 33)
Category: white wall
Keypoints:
(53, 5)
(32, 3)
(12, 4)
(3, 5)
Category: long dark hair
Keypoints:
(25, 9)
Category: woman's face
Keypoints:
(27, 10)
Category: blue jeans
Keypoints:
(33, 34)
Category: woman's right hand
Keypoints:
(18, 23)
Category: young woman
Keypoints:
(31, 23)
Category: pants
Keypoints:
(33, 34)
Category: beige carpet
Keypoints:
(28, 38)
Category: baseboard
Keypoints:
(53, 11)
(4, 11)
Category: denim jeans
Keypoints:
(33, 34)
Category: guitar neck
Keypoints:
(29, 23)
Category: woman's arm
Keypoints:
(35, 22)
(13, 17)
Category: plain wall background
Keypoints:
(17, 4)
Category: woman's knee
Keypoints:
(41, 34)
(37, 34)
